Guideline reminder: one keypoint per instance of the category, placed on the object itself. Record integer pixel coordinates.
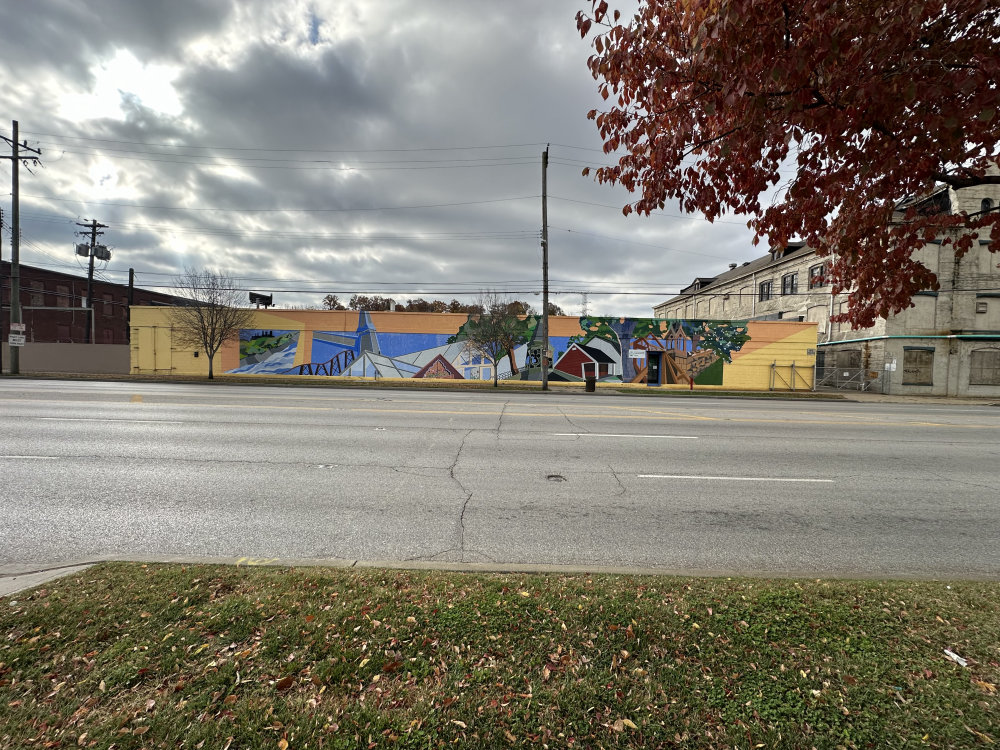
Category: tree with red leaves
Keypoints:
(869, 103)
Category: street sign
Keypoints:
(17, 327)
(15, 339)
(636, 353)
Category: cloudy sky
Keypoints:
(326, 146)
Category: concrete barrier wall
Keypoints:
(101, 359)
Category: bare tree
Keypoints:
(213, 314)
(496, 331)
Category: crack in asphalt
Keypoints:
(503, 410)
(468, 495)
(575, 425)
(618, 479)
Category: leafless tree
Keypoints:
(496, 331)
(214, 313)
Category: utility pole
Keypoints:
(545, 269)
(1, 291)
(131, 301)
(15, 233)
(102, 252)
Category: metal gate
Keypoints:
(791, 377)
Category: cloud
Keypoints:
(313, 147)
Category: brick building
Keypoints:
(53, 306)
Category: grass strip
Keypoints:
(163, 656)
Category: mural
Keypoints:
(266, 351)
(631, 350)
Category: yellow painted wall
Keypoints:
(773, 343)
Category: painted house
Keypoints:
(596, 357)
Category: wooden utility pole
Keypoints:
(15, 233)
(545, 269)
(93, 226)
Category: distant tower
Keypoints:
(584, 312)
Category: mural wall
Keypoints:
(436, 345)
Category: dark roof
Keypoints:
(598, 355)
(791, 250)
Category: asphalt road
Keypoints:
(95, 470)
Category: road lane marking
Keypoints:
(97, 419)
(731, 479)
(136, 399)
(615, 435)
(35, 458)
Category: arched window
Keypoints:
(986, 205)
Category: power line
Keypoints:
(284, 210)
(290, 150)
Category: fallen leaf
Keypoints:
(282, 744)
(984, 737)
(989, 687)
(460, 724)
(140, 730)
(285, 682)
(629, 723)
(229, 700)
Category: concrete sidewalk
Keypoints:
(12, 584)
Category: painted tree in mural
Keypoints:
(214, 313)
(497, 331)
(618, 331)
(722, 337)
(850, 107)
(600, 328)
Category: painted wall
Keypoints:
(719, 354)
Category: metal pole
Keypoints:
(15, 251)
(545, 270)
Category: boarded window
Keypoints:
(984, 367)
(109, 308)
(37, 293)
(918, 367)
(849, 359)
(62, 296)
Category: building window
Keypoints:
(849, 359)
(765, 291)
(37, 293)
(62, 296)
(918, 366)
(986, 205)
(109, 308)
(984, 367)
(817, 276)
(790, 283)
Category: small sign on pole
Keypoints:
(15, 339)
(19, 327)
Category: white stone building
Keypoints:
(947, 343)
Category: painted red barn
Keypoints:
(594, 357)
